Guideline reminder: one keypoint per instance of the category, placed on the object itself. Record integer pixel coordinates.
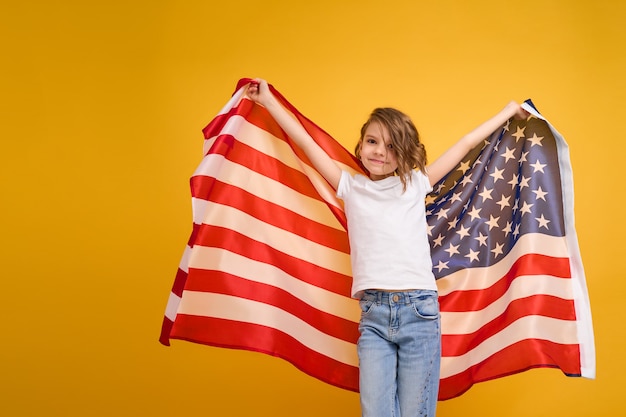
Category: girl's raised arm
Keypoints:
(446, 162)
(260, 93)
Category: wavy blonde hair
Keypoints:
(405, 139)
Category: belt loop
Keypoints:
(379, 297)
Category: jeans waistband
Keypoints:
(396, 297)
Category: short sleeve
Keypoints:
(424, 181)
(345, 183)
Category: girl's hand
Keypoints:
(518, 112)
(259, 91)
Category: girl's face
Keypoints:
(377, 153)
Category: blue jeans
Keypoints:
(399, 353)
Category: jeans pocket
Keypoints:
(366, 306)
(426, 307)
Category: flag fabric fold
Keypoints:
(267, 265)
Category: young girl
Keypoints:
(399, 346)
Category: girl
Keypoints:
(399, 346)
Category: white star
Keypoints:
(540, 194)
(466, 180)
(504, 202)
(493, 221)
(486, 194)
(442, 213)
(463, 232)
(543, 222)
(430, 199)
(535, 140)
(475, 213)
(519, 133)
(523, 182)
(516, 230)
(430, 229)
(514, 181)
(506, 125)
(452, 223)
(497, 250)
(455, 197)
(507, 228)
(508, 154)
(463, 166)
(482, 239)
(472, 255)
(523, 157)
(526, 208)
(537, 166)
(452, 249)
(442, 265)
(497, 175)
(437, 241)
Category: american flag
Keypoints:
(267, 265)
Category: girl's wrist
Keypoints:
(270, 101)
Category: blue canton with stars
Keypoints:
(508, 186)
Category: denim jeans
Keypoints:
(399, 353)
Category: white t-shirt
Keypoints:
(388, 232)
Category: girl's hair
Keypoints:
(410, 152)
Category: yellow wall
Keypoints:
(101, 107)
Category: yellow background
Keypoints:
(101, 110)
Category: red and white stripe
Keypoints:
(515, 315)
